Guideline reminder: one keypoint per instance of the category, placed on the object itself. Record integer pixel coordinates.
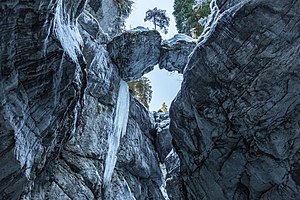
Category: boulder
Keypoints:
(135, 52)
(175, 52)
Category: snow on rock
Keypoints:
(175, 52)
(172, 178)
(163, 186)
(180, 37)
(120, 124)
(170, 163)
(138, 29)
(163, 139)
(199, 3)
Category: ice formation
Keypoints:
(67, 32)
(120, 124)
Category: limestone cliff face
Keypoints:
(59, 98)
(235, 122)
(69, 128)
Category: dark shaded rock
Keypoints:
(227, 4)
(135, 52)
(39, 92)
(163, 138)
(173, 183)
(296, 173)
(95, 5)
(235, 121)
(163, 143)
(175, 52)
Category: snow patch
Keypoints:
(177, 38)
(138, 29)
(163, 186)
(120, 125)
(211, 22)
(199, 3)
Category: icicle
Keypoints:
(67, 32)
(120, 125)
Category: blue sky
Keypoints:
(165, 85)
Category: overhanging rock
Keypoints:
(135, 52)
(175, 52)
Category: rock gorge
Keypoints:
(64, 105)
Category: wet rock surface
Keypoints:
(235, 121)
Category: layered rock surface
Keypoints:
(235, 122)
(163, 139)
(59, 95)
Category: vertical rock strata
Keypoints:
(58, 96)
(235, 122)
(39, 92)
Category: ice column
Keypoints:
(67, 32)
(120, 124)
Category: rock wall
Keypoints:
(167, 155)
(235, 122)
(40, 92)
(58, 96)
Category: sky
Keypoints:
(165, 85)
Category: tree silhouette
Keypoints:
(159, 18)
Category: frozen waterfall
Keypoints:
(120, 124)
(67, 32)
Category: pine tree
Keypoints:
(188, 14)
(142, 90)
(159, 18)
